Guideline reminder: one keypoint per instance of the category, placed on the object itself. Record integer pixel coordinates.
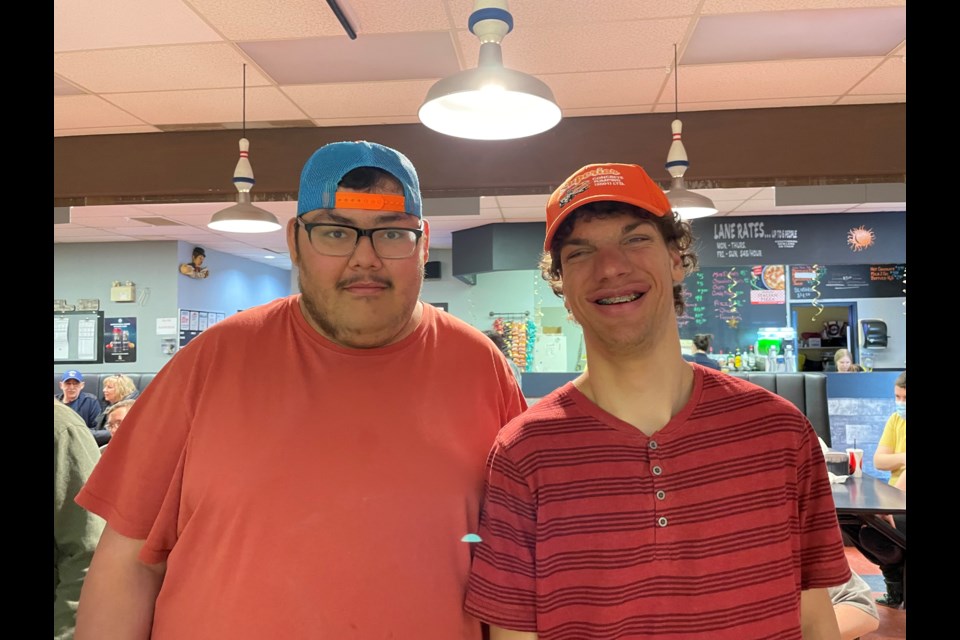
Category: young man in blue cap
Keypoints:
(85, 404)
(650, 498)
(330, 499)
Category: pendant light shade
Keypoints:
(688, 204)
(244, 217)
(490, 102)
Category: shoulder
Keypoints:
(65, 418)
(549, 415)
(451, 329)
(736, 393)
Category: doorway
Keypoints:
(821, 330)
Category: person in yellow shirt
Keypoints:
(891, 452)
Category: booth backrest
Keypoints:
(93, 382)
(807, 391)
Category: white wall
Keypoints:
(893, 311)
(233, 284)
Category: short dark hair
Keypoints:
(902, 381)
(497, 340)
(198, 251)
(367, 179)
(676, 233)
(702, 341)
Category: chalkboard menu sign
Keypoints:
(732, 303)
(832, 282)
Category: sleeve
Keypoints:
(89, 409)
(75, 530)
(502, 585)
(823, 562)
(143, 462)
(855, 593)
(889, 436)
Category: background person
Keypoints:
(75, 530)
(330, 498)
(85, 404)
(854, 607)
(701, 346)
(619, 505)
(115, 388)
(844, 361)
(114, 416)
(502, 346)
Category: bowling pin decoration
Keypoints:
(677, 162)
(243, 174)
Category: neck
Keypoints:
(645, 391)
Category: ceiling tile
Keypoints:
(793, 35)
(890, 77)
(765, 80)
(606, 88)
(373, 58)
(88, 111)
(208, 106)
(588, 47)
(747, 6)
(530, 13)
(871, 99)
(199, 66)
(102, 131)
(360, 100)
(63, 88)
(111, 24)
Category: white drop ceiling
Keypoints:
(150, 66)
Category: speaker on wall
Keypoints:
(431, 270)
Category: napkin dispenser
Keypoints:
(873, 334)
(838, 463)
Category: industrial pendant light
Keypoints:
(244, 217)
(687, 203)
(490, 102)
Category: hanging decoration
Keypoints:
(815, 303)
(732, 291)
(519, 334)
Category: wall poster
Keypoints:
(119, 340)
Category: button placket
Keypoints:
(656, 470)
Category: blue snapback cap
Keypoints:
(72, 374)
(328, 164)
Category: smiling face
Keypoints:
(360, 301)
(618, 276)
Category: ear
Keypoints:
(426, 240)
(292, 242)
(676, 265)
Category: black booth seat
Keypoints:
(807, 391)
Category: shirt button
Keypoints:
(661, 494)
(662, 521)
(657, 471)
(653, 444)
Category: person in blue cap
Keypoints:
(85, 404)
(338, 495)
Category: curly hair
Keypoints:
(676, 233)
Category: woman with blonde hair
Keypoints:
(115, 388)
(844, 361)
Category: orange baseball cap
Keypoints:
(627, 183)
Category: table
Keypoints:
(864, 500)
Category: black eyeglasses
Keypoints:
(341, 240)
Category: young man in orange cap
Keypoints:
(650, 497)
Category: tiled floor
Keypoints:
(893, 622)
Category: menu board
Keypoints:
(732, 303)
(832, 282)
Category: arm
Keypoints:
(817, 618)
(120, 591)
(854, 622)
(854, 607)
(886, 460)
(75, 530)
(498, 633)
(902, 481)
